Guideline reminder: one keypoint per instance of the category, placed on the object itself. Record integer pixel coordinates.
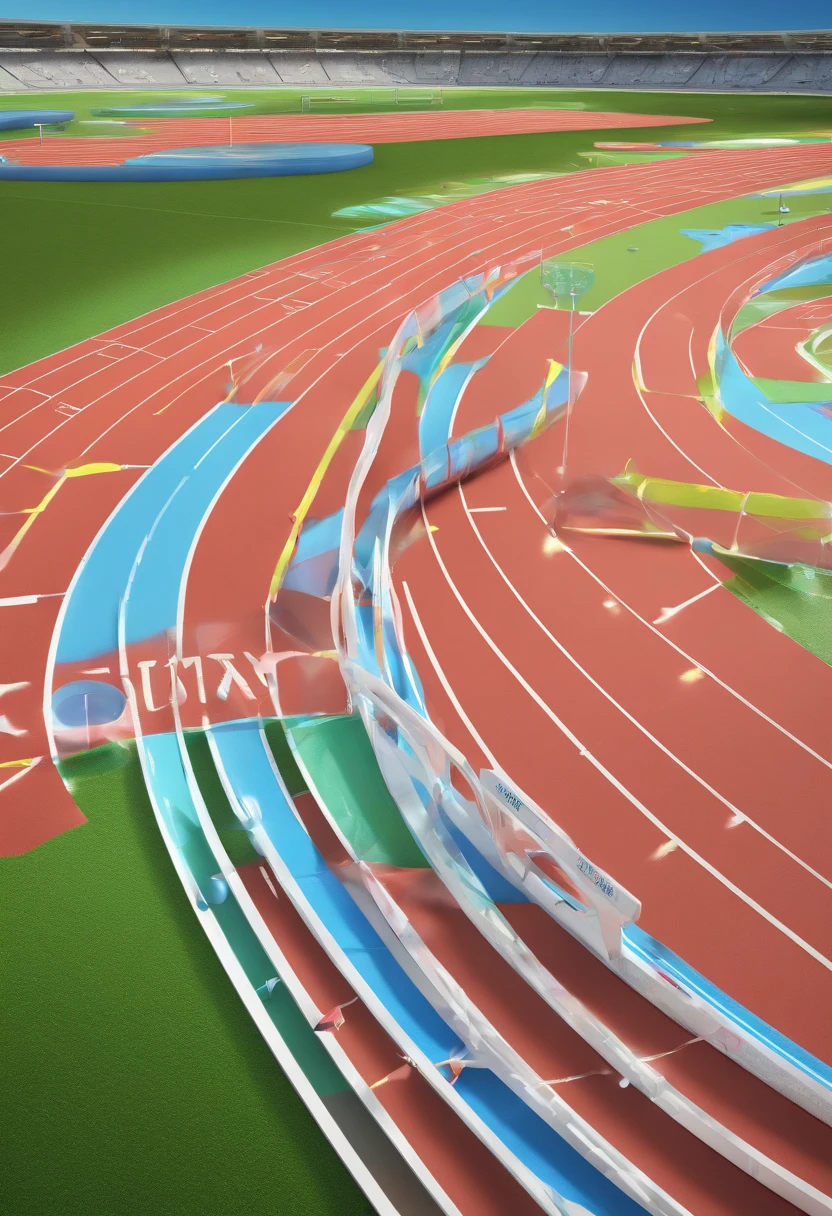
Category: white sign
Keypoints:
(584, 873)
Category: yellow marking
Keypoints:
(554, 371)
(692, 675)
(84, 470)
(314, 485)
(552, 545)
(434, 527)
(18, 763)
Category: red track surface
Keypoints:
(125, 397)
(754, 1112)
(468, 1172)
(169, 133)
(692, 1173)
(609, 675)
(769, 348)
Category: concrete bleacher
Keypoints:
(652, 71)
(570, 71)
(775, 71)
(485, 67)
(55, 70)
(224, 68)
(299, 68)
(8, 83)
(346, 68)
(812, 73)
(735, 72)
(430, 68)
(138, 70)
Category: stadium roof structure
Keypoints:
(27, 35)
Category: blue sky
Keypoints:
(591, 16)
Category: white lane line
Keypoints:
(584, 751)
(467, 234)
(443, 680)
(638, 378)
(667, 614)
(484, 510)
(267, 880)
(738, 816)
(12, 601)
(410, 228)
(668, 641)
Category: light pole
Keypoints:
(567, 281)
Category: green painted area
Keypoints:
(720, 498)
(771, 302)
(301, 1040)
(602, 158)
(796, 599)
(626, 258)
(134, 1080)
(340, 761)
(785, 391)
(818, 349)
(88, 256)
(293, 778)
(396, 207)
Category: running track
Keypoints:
(406, 127)
(124, 397)
(575, 636)
(97, 386)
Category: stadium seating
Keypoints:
(136, 70)
(59, 57)
(225, 69)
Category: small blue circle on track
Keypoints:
(87, 703)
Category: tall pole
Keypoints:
(569, 377)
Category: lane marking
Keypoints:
(692, 675)
(613, 780)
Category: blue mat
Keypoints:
(205, 164)
(16, 120)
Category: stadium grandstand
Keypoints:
(38, 56)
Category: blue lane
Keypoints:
(154, 594)
(90, 625)
(796, 424)
(250, 773)
(438, 410)
(713, 238)
(816, 273)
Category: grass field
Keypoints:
(133, 1080)
(87, 256)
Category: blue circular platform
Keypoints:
(282, 158)
(205, 164)
(188, 107)
(17, 120)
(88, 703)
